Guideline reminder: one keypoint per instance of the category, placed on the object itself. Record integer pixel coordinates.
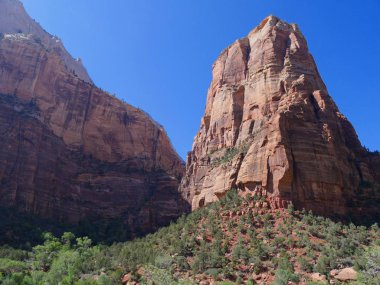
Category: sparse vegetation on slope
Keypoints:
(235, 241)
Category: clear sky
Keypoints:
(157, 54)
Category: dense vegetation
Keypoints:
(235, 241)
(22, 230)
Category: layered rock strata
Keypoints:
(271, 127)
(70, 151)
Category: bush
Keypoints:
(285, 271)
(160, 276)
(163, 261)
(182, 263)
(14, 254)
(284, 276)
(64, 268)
(239, 280)
(214, 272)
(8, 266)
(371, 271)
(305, 265)
(199, 263)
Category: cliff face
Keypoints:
(71, 151)
(14, 19)
(271, 127)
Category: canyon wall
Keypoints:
(70, 151)
(271, 127)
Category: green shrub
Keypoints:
(163, 261)
(64, 268)
(305, 265)
(322, 265)
(282, 277)
(199, 262)
(182, 263)
(371, 272)
(8, 266)
(214, 272)
(160, 276)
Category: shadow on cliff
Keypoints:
(47, 186)
(24, 230)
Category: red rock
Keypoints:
(14, 20)
(271, 127)
(126, 278)
(334, 272)
(70, 151)
(346, 274)
(318, 277)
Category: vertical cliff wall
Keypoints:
(271, 127)
(70, 151)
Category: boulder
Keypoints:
(317, 277)
(126, 278)
(346, 274)
(334, 272)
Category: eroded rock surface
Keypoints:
(270, 126)
(14, 20)
(69, 150)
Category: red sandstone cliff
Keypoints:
(270, 126)
(14, 19)
(70, 151)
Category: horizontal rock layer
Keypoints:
(270, 126)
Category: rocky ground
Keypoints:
(242, 240)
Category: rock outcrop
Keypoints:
(70, 151)
(14, 20)
(271, 127)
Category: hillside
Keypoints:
(238, 239)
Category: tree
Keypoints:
(44, 255)
(64, 268)
(285, 271)
(322, 265)
(67, 239)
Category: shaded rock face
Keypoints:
(70, 151)
(271, 127)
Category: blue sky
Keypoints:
(157, 54)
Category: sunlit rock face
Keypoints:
(271, 127)
(70, 151)
(15, 20)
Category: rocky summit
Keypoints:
(70, 151)
(271, 127)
